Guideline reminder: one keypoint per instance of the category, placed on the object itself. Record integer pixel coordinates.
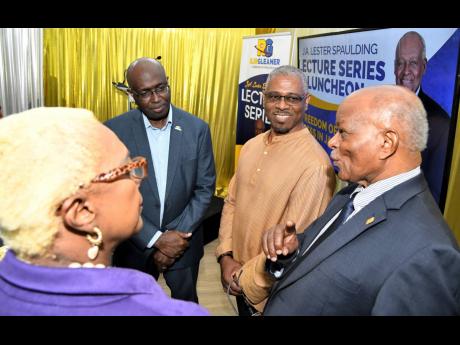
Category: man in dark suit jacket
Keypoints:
(434, 156)
(180, 184)
(410, 66)
(382, 246)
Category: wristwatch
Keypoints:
(224, 254)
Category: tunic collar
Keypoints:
(285, 137)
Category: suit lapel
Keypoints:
(143, 149)
(175, 146)
(368, 217)
(313, 231)
(311, 234)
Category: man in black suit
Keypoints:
(410, 65)
(180, 183)
(382, 247)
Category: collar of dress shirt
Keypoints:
(371, 192)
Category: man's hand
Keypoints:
(280, 240)
(161, 261)
(228, 268)
(173, 243)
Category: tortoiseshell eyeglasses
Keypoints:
(137, 170)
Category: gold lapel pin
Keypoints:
(370, 220)
(178, 128)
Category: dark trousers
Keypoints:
(244, 309)
(182, 282)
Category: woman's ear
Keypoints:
(78, 213)
(390, 143)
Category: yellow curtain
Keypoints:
(263, 31)
(202, 64)
(452, 208)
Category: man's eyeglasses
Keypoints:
(137, 170)
(289, 99)
(161, 90)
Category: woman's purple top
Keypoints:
(27, 289)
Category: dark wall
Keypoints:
(212, 220)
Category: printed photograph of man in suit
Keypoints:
(180, 183)
(410, 66)
(382, 246)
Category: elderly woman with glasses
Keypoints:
(69, 195)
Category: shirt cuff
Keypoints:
(255, 281)
(277, 268)
(154, 239)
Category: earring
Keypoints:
(96, 242)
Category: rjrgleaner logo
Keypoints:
(264, 50)
(264, 47)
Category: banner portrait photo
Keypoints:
(423, 60)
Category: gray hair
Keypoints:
(420, 38)
(45, 153)
(410, 114)
(289, 70)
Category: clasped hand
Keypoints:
(171, 245)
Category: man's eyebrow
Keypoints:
(153, 87)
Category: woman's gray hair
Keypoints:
(45, 154)
(289, 70)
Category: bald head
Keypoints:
(141, 66)
(149, 87)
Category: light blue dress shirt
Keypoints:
(159, 147)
